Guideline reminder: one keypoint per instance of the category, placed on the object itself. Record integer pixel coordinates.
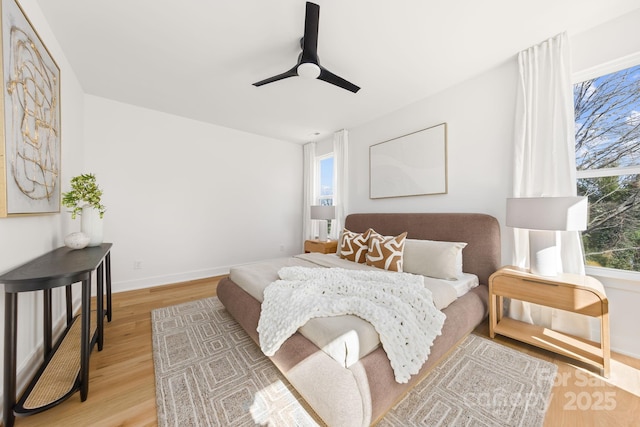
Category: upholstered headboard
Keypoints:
(481, 232)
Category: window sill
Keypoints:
(614, 278)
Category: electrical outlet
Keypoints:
(137, 265)
(281, 248)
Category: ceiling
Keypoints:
(199, 58)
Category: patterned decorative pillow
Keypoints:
(354, 246)
(386, 251)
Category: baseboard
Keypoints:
(626, 351)
(149, 282)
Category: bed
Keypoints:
(360, 392)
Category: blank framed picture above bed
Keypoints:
(411, 165)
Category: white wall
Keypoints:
(24, 238)
(188, 199)
(608, 43)
(479, 114)
(479, 117)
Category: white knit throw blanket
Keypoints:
(398, 305)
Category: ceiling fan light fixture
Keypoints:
(308, 70)
(308, 65)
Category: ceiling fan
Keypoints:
(308, 63)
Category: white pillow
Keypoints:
(442, 260)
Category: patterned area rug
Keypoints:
(210, 373)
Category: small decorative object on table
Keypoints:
(84, 198)
(77, 240)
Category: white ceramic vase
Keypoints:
(91, 225)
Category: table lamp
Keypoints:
(543, 217)
(323, 213)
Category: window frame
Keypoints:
(578, 77)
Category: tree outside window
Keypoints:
(607, 120)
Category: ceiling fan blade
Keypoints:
(329, 77)
(310, 38)
(291, 73)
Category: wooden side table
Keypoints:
(325, 247)
(571, 292)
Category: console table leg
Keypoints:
(100, 305)
(69, 304)
(85, 344)
(108, 269)
(47, 331)
(9, 383)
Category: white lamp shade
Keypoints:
(547, 213)
(323, 212)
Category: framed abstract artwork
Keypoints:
(410, 165)
(30, 114)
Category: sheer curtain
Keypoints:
(340, 178)
(309, 227)
(544, 163)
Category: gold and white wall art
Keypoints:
(30, 119)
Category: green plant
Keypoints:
(84, 191)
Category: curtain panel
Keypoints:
(309, 227)
(340, 181)
(544, 163)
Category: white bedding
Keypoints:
(398, 305)
(345, 338)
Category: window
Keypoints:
(607, 119)
(325, 180)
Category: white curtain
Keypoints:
(545, 163)
(309, 227)
(340, 178)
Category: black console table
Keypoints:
(69, 357)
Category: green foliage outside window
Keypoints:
(607, 114)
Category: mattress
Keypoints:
(345, 338)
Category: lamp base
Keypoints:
(543, 252)
(322, 234)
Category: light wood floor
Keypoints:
(122, 388)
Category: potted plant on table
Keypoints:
(85, 199)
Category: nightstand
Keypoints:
(325, 247)
(571, 292)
